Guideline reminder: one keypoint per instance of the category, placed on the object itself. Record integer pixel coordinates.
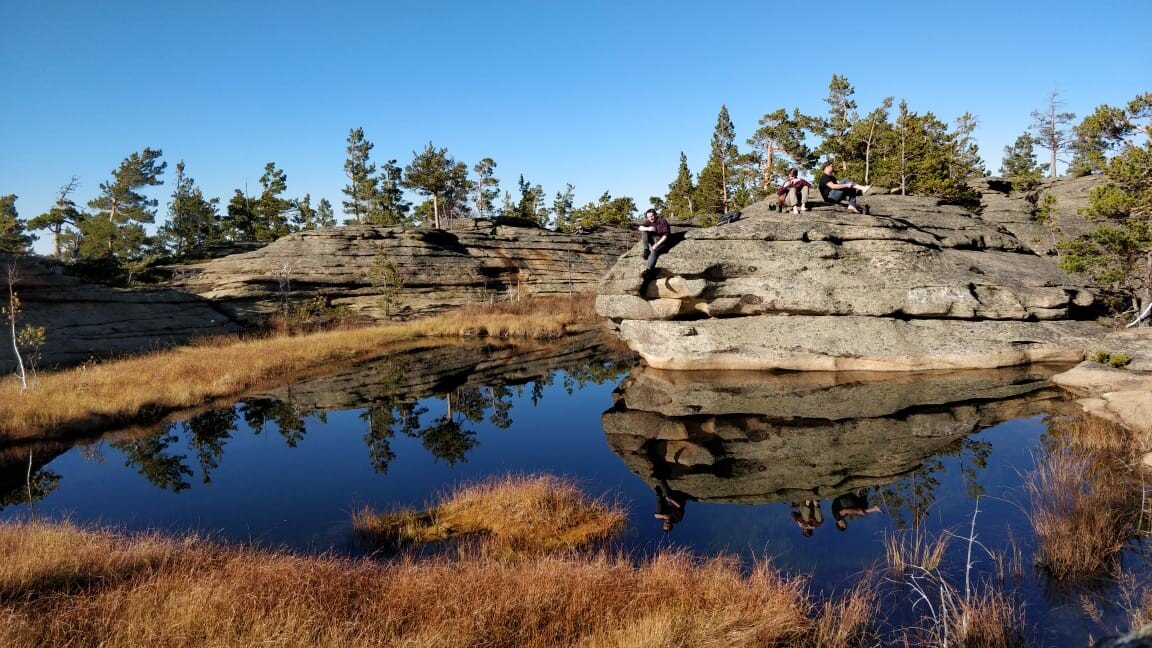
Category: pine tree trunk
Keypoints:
(435, 212)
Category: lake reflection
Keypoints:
(810, 469)
(754, 438)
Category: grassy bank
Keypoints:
(60, 585)
(144, 388)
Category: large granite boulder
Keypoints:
(83, 320)
(917, 285)
(439, 269)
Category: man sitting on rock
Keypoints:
(834, 191)
(654, 232)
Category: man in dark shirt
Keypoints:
(654, 232)
(834, 191)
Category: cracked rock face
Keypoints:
(440, 269)
(914, 286)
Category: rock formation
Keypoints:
(83, 320)
(756, 437)
(439, 269)
(1122, 394)
(1015, 210)
(917, 285)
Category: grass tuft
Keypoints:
(517, 515)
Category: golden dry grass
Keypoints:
(1085, 496)
(914, 549)
(509, 515)
(60, 585)
(92, 397)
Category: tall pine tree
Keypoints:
(362, 184)
(13, 238)
(715, 185)
(62, 214)
(193, 222)
(116, 229)
(679, 203)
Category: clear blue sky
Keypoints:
(601, 94)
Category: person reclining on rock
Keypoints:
(793, 193)
(834, 191)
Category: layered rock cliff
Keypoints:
(916, 285)
(439, 269)
(83, 320)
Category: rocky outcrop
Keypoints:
(762, 437)
(917, 285)
(439, 269)
(1016, 211)
(83, 320)
(1122, 394)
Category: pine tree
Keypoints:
(780, 144)
(871, 133)
(964, 160)
(1050, 132)
(270, 209)
(486, 188)
(324, 215)
(679, 203)
(841, 117)
(13, 238)
(63, 214)
(123, 208)
(1019, 164)
(1095, 138)
(431, 173)
(562, 208)
(362, 184)
(1118, 253)
(193, 221)
(305, 217)
(240, 220)
(715, 184)
(391, 208)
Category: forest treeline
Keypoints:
(888, 145)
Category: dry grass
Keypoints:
(63, 586)
(914, 549)
(1079, 516)
(1085, 497)
(96, 396)
(511, 515)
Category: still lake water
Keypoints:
(742, 452)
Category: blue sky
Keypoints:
(603, 95)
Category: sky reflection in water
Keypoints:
(741, 453)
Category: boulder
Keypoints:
(439, 269)
(83, 320)
(1121, 394)
(917, 285)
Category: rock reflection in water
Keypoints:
(475, 382)
(751, 437)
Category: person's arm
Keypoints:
(659, 242)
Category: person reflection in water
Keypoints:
(849, 505)
(669, 505)
(807, 516)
